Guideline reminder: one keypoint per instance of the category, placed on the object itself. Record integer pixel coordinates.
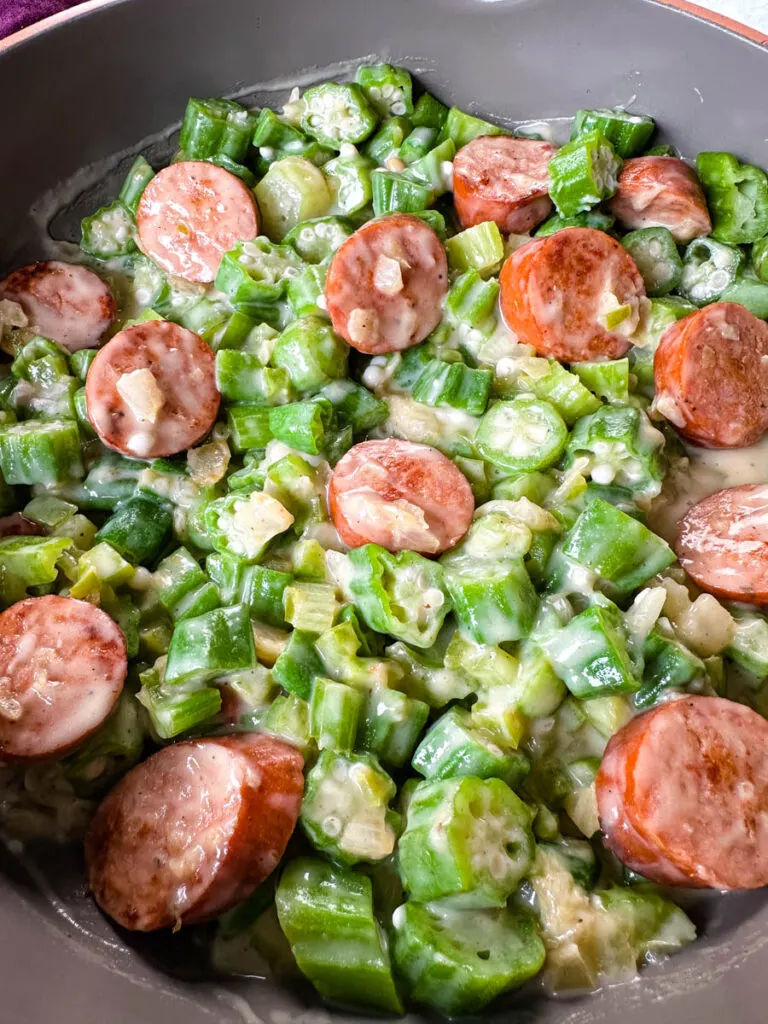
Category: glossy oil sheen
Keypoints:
(102, 81)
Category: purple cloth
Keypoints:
(17, 14)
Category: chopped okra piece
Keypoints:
(455, 386)
(327, 916)
(337, 113)
(38, 452)
(457, 961)
(749, 646)
(138, 529)
(629, 134)
(304, 426)
(737, 197)
(136, 180)
(429, 112)
(334, 714)
(108, 233)
(657, 926)
(655, 253)
(287, 717)
(402, 594)
(617, 547)
(389, 90)
(583, 173)
(349, 180)
(669, 665)
(293, 190)
(623, 448)
(397, 193)
(31, 560)
(216, 128)
(311, 607)
(521, 435)
(467, 841)
(492, 593)
(311, 352)
(298, 665)
(355, 405)
(210, 646)
(243, 525)
(749, 292)
(455, 747)
(591, 654)
(255, 274)
(479, 248)
(577, 857)
(461, 127)
(387, 140)
(591, 219)
(709, 268)
(316, 240)
(391, 725)
(345, 812)
(240, 377)
(182, 587)
(560, 387)
(608, 379)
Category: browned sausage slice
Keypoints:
(503, 179)
(661, 191)
(193, 830)
(151, 391)
(723, 543)
(190, 214)
(682, 794)
(576, 295)
(403, 496)
(386, 284)
(63, 301)
(711, 375)
(62, 667)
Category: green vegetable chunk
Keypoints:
(583, 173)
(655, 253)
(591, 654)
(345, 812)
(334, 114)
(521, 435)
(629, 134)
(467, 841)
(457, 961)
(454, 747)
(211, 645)
(737, 197)
(616, 547)
(327, 916)
(402, 594)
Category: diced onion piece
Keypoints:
(388, 276)
(141, 393)
(706, 627)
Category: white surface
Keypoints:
(750, 12)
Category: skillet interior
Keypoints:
(101, 81)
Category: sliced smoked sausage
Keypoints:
(682, 794)
(62, 668)
(711, 375)
(193, 830)
(575, 296)
(62, 301)
(503, 179)
(190, 214)
(722, 543)
(661, 191)
(403, 496)
(151, 390)
(386, 284)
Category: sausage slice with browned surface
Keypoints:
(386, 284)
(403, 496)
(682, 794)
(151, 391)
(193, 830)
(723, 543)
(62, 668)
(62, 301)
(576, 295)
(503, 179)
(190, 214)
(661, 191)
(711, 375)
